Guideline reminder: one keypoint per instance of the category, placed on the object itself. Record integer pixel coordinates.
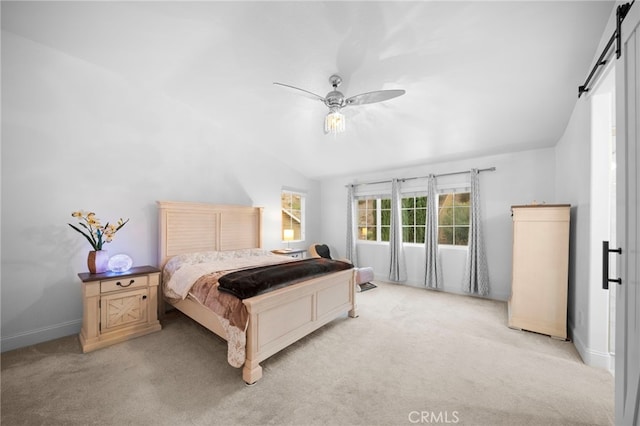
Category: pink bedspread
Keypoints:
(228, 306)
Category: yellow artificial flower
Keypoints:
(93, 231)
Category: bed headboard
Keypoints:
(192, 227)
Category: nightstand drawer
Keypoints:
(123, 283)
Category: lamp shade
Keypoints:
(287, 235)
(334, 122)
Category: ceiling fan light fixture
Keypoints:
(334, 122)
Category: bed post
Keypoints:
(353, 312)
(251, 372)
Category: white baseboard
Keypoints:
(589, 356)
(32, 337)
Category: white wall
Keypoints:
(573, 186)
(77, 136)
(581, 169)
(588, 303)
(520, 178)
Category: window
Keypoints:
(414, 219)
(370, 219)
(453, 218)
(292, 215)
(374, 219)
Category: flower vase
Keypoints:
(98, 261)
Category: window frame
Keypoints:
(414, 226)
(363, 226)
(379, 225)
(454, 206)
(414, 194)
(302, 230)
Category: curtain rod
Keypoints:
(621, 13)
(490, 169)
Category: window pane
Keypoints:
(445, 216)
(385, 203)
(420, 234)
(463, 199)
(296, 202)
(421, 216)
(445, 235)
(362, 219)
(461, 215)
(384, 231)
(462, 236)
(385, 217)
(408, 203)
(407, 217)
(421, 202)
(372, 234)
(446, 200)
(365, 218)
(408, 234)
(362, 232)
(372, 219)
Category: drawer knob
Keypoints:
(123, 285)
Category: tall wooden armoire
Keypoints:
(540, 276)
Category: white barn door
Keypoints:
(627, 369)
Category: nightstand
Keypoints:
(118, 306)
(295, 253)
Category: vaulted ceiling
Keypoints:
(481, 78)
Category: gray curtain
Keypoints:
(397, 267)
(476, 277)
(433, 270)
(352, 252)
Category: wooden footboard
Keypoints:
(279, 318)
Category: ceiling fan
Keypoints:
(334, 121)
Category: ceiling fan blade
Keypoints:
(308, 93)
(373, 97)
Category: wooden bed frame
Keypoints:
(276, 319)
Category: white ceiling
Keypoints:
(481, 77)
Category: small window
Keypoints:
(454, 218)
(368, 219)
(292, 216)
(414, 219)
(374, 219)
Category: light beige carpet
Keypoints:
(412, 357)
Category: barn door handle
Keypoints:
(605, 265)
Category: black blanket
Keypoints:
(251, 282)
